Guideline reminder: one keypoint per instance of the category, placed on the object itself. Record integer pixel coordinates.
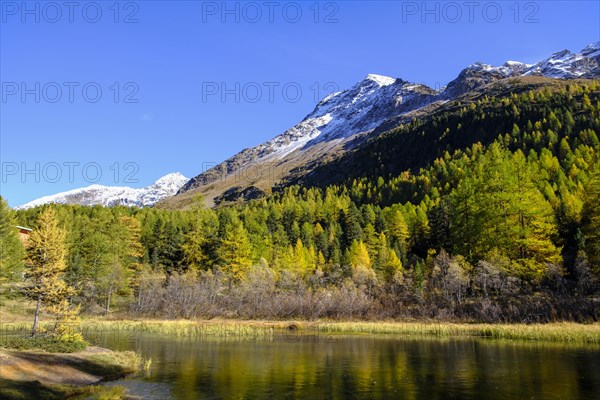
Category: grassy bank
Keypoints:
(552, 332)
(18, 390)
(38, 374)
(43, 343)
(566, 332)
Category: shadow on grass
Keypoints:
(20, 390)
(107, 365)
(10, 389)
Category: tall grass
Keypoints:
(553, 332)
(186, 328)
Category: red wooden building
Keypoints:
(23, 234)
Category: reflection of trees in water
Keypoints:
(366, 367)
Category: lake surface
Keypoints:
(292, 366)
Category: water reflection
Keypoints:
(361, 367)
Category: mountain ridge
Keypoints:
(361, 110)
(103, 195)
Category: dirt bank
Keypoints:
(36, 374)
(52, 368)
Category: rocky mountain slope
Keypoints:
(338, 116)
(343, 120)
(91, 195)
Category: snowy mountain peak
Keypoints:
(591, 50)
(511, 63)
(380, 79)
(95, 194)
(172, 179)
(560, 54)
(337, 117)
(565, 64)
(478, 65)
(343, 114)
(509, 68)
(377, 98)
(562, 64)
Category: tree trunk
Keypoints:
(108, 300)
(37, 315)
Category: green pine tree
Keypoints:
(591, 222)
(45, 266)
(11, 249)
(235, 251)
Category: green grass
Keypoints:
(19, 390)
(113, 365)
(110, 393)
(44, 343)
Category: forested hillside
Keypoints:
(487, 210)
(524, 112)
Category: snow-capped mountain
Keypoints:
(166, 186)
(338, 116)
(561, 65)
(565, 64)
(479, 74)
(343, 114)
(369, 103)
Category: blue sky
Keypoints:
(180, 81)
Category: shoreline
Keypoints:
(559, 332)
(28, 374)
(37, 374)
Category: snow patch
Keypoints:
(380, 79)
(95, 194)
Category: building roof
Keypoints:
(23, 228)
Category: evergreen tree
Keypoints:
(530, 220)
(234, 251)
(166, 247)
(360, 262)
(45, 266)
(392, 265)
(440, 221)
(199, 243)
(468, 217)
(398, 230)
(359, 255)
(133, 251)
(351, 225)
(591, 222)
(11, 249)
